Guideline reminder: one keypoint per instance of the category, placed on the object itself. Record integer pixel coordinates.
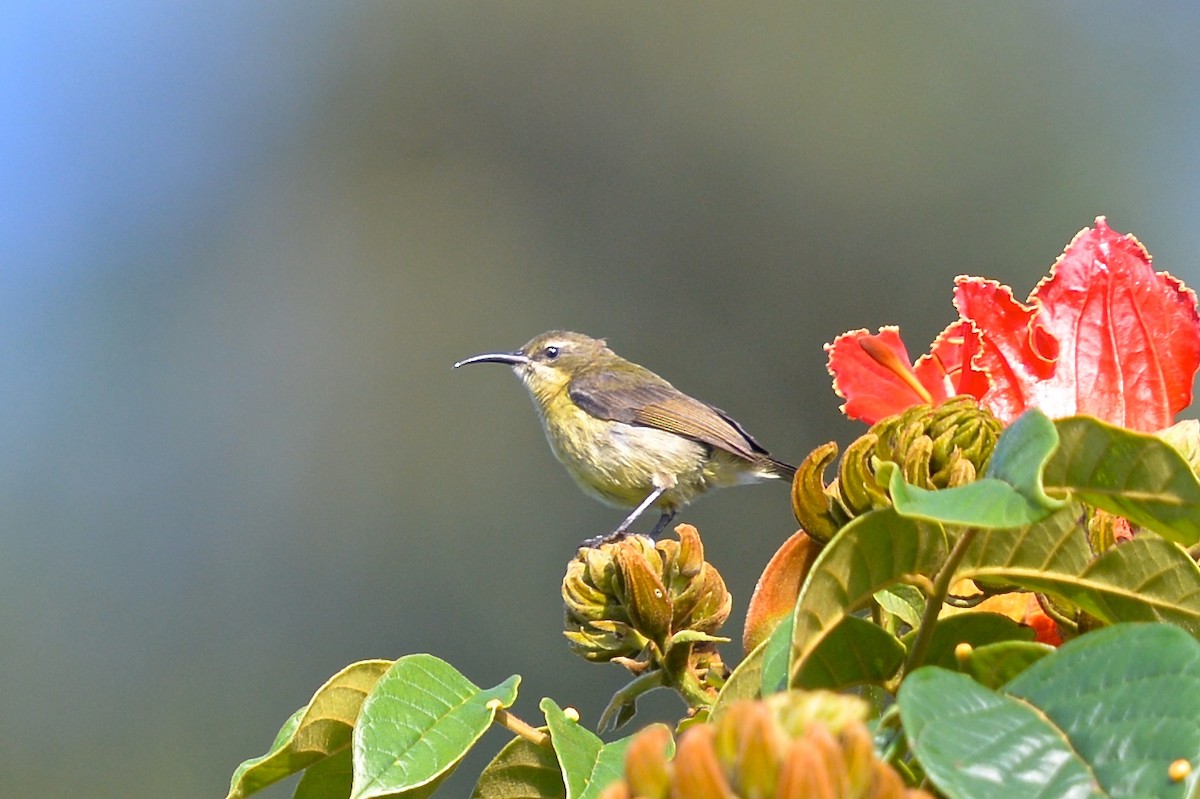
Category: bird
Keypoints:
(627, 436)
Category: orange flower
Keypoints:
(1103, 335)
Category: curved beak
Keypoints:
(510, 358)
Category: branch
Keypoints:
(933, 605)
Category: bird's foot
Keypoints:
(623, 532)
(606, 538)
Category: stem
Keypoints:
(515, 725)
(695, 694)
(1066, 623)
(628, 696)
(933, 604)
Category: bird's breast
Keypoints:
(621, 463)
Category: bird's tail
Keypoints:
(781, 469)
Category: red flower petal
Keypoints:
(1045, 629)
(1010, 354)
(1128, 337)
(952, 361)
(875, 376)
(1103, 335)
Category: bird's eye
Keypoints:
(551, 352)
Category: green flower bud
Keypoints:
(935, 447)
(811, 502)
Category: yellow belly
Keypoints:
(621, 464)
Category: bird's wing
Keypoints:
(662, 406)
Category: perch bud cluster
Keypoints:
(634, 597)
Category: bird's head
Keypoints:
(548, 362)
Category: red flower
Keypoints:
(1103, 335)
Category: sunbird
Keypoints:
(627, 436)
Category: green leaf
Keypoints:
(977, 744)
(623, 705)
(417, 723)
(1135, 475)
(319, 730)
(1145, 579)
(1010, 494)
(588, 764)
(977, 628)
(1098, 718)
(1056, 543)
(694, 637)
(854, 652)
(775, 657)
(905, 602)
(995, 664)
(328, 779)
(1021, 454)
(873, 552)
(522, 769)
(746, 681)
(1128, 699)
(764, 670)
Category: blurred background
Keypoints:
(242, 243)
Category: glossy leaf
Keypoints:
(1134, 475)
(319, 730)
(1009, 495)
(775, 593)
(421, 718)
(1056, 544)
(905, 602)
(746, 680)
(1145, 579)
(873, 552)
(970, 627)
(776, 655)
(995, 664)
(854, 652)
(1128, 699)
(588, 764)
(522, 769)
(1098, 718)
(333, 778)
(977, 744)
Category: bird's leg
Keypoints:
(623, 527)
(663, 521)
